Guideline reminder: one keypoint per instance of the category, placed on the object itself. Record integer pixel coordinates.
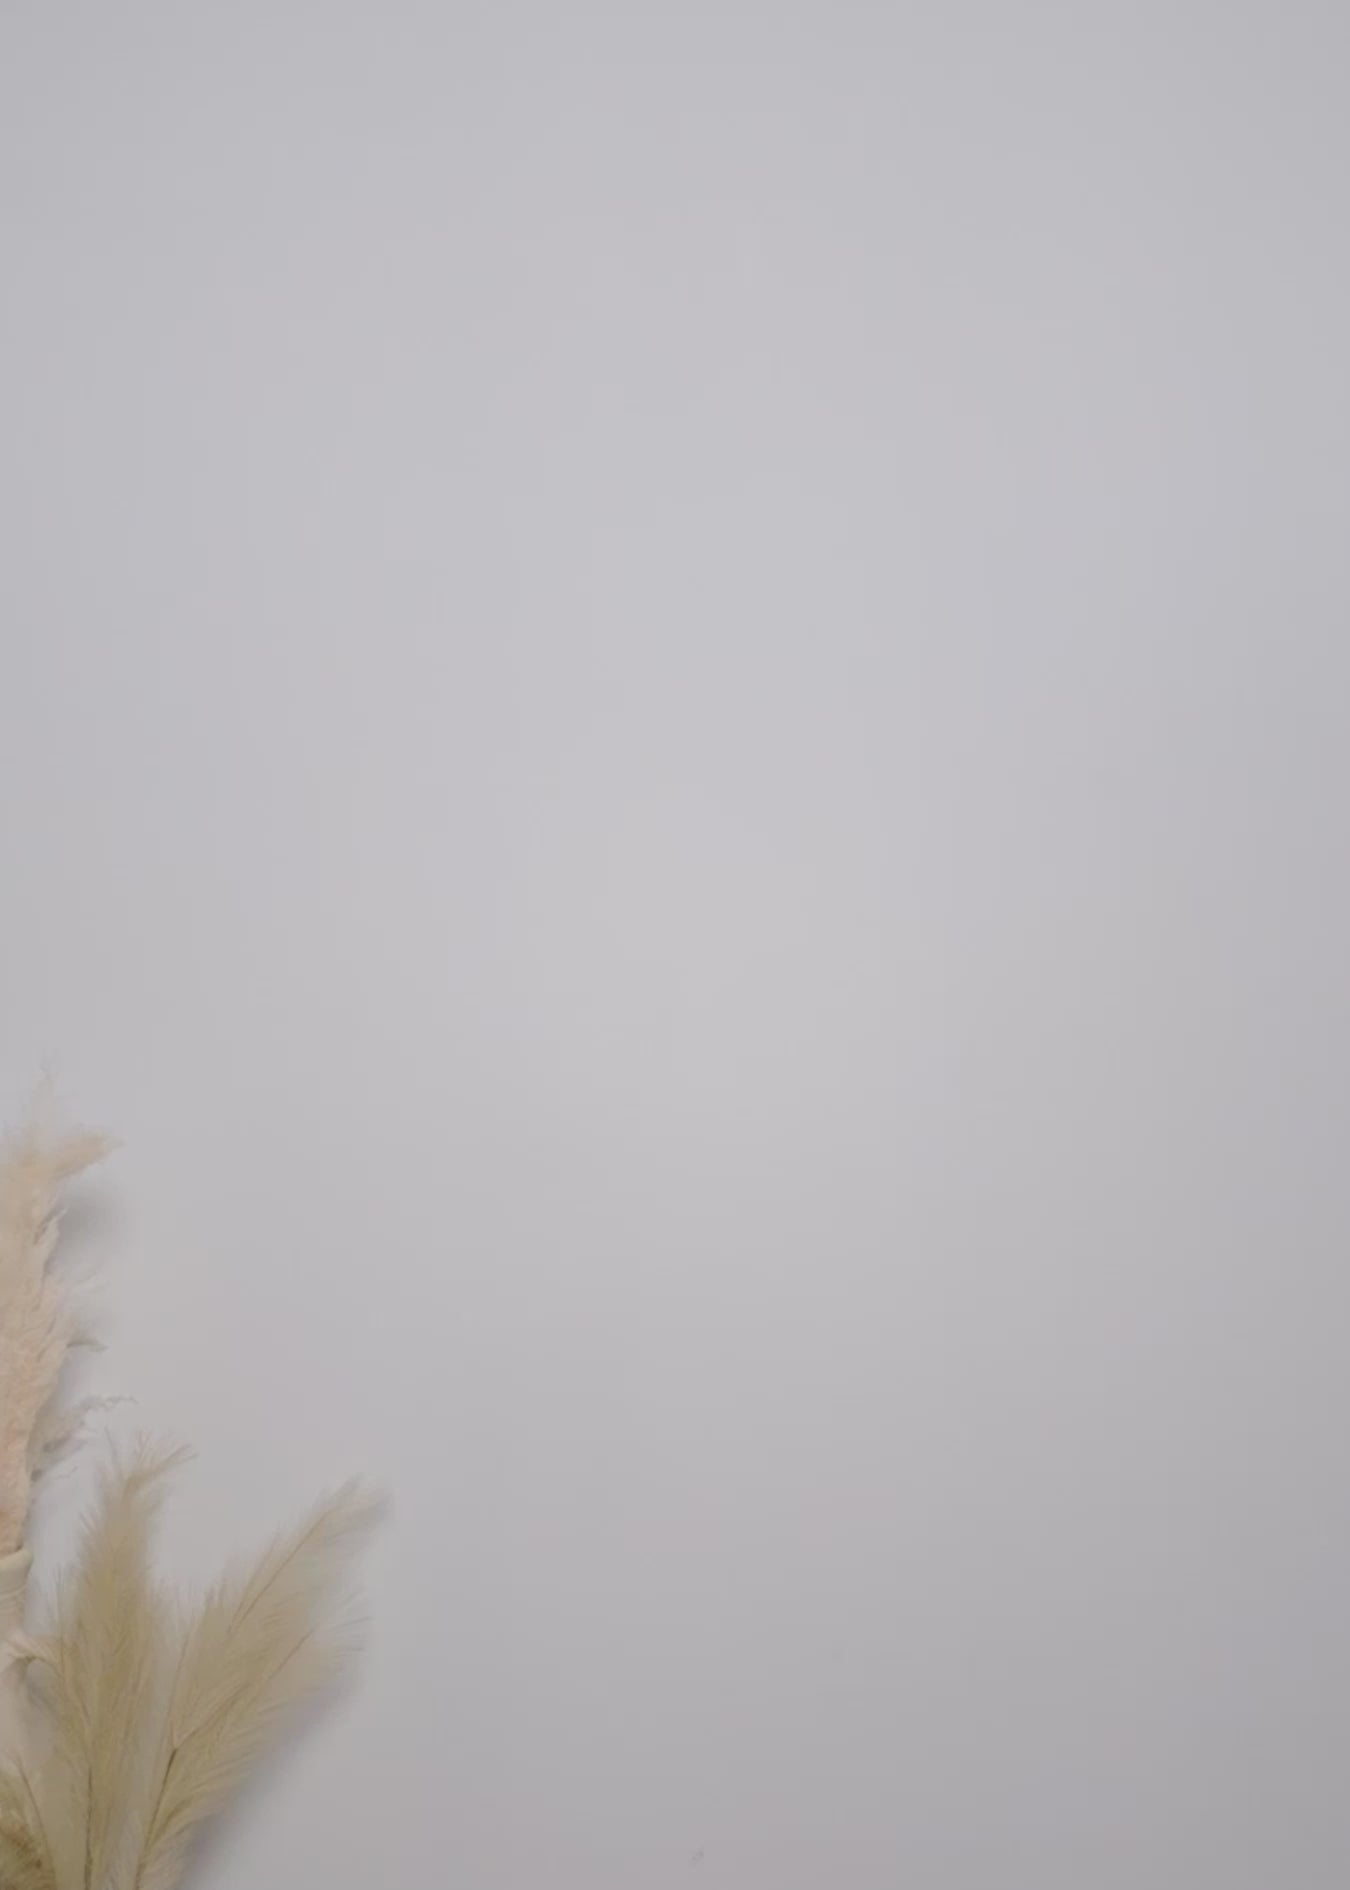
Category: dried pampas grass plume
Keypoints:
(153, 1714)
(130, 1718)
(38, 1325)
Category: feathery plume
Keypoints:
(102, 1674)
(136, 1718)
(154, 1716)
(38, 1324)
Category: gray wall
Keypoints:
(674, 752)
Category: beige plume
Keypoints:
(154, 1715)
(38, 1324)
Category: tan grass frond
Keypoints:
(37, 1322)
(140, 1718)
(25, 1862)
(259, 1646)
(102, 1673)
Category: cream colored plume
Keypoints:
(127, 1718)
(37, 1320)
(152, 1715)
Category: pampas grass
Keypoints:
(260, 1645)
(98, 1674)
(141, 1715)
(152, 1715)
(38, 1324)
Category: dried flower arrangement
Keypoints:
(128, 1718)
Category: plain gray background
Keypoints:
(674, 753)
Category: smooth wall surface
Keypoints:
(673, 745)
